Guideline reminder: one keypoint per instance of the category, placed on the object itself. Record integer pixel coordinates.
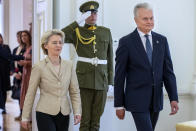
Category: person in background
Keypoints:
(56, 79)
(5, 64)
(27, 65)
(143, 61)
(16, 68)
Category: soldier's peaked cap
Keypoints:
(89, 6)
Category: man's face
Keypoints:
(91, 20)
(144, 20)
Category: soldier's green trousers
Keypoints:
(93, 103)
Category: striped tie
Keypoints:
(148, 49)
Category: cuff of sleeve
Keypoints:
(77, 114)
(20, 73)
(25, 119)
(119, 108)
(14, 74)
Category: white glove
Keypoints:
(111, 88)
(83, 17)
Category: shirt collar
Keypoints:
(47, 60)
(87, 25)
(142, 34)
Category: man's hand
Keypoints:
(26, 125)
(83, 17)
(120, 113)
(174, 107)
(77, 119)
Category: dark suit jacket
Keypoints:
(17, 58)
(140, 78)
(4, 67)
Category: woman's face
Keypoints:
(1, 40)
(25, 37)
(54, 45)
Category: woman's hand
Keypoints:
(22, 62)
(26, 125)
(77, 119)
(18, 76)
(28, 57)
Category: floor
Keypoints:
(7, 121)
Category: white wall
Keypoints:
(1, 18)
(27, 13)
(20, 15)
(15, 21)
(63, 13)
(5, 19)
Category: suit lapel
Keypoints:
(156, 46)
(140, 47)
(62, 70)
(51, 68)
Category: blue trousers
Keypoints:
(145, 121)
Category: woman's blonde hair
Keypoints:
(46, 36)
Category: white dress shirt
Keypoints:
(143, 38)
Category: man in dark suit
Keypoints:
(143, 61)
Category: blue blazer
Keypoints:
(138, 85)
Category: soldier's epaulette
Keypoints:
(73, 26)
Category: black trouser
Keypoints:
(3, 97)
(145, 121)
(46, 122)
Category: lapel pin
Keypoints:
(157, 42)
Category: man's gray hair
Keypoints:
(141, 5)
(46, 36)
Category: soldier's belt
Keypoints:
(94, 61)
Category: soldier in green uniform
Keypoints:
(94, 69)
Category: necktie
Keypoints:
(148, 49)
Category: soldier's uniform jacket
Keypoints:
(92, 76)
